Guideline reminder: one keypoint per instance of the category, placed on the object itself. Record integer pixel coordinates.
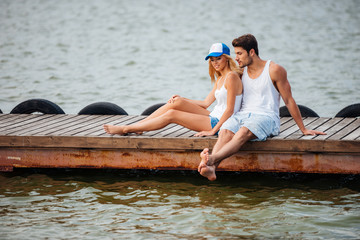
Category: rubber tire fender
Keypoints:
(305, 112)
(152, 109)
(352, 110)
(37, 105)
(102, 108)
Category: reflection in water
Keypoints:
(172, 205)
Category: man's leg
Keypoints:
(224, 137)
(230, 148)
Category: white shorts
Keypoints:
(262, 126)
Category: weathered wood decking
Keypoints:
(79, 141)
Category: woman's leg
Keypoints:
(192, 121)
(180, 104)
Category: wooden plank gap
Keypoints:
(73, 120)
(84, 125)
(27, 124)
(335, 128)
(98, 128)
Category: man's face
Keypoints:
(242, 57)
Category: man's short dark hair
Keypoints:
(246, 42)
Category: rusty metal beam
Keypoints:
(177, 160)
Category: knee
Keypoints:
(169, 115)
(243, 135)
(177, 102)
(225, 135)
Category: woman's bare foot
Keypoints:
(204, 155)
(112, 129)
(209, 172)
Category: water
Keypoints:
(138, 53)
(158, 205)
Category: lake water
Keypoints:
(138, 53)
(160, 205)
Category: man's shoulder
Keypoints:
(276, 70)
(276, 67)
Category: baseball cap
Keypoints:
(218, 49)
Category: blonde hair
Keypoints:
(232, 65)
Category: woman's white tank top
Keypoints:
(221, 102)
(260, 95)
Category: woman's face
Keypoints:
(219, 63)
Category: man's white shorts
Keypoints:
(262, 126)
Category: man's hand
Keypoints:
(313, 132)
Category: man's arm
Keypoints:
(279, 76)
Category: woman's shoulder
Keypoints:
(233, 75)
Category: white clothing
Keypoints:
(260, 95)
(221, 102)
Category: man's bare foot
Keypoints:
(209, 172)
(111, 129)
(204, 155)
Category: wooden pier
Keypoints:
(79, 141)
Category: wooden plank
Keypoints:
(157, 133)
(86, 125)
(187, 134)
(345, 131)
(284, 120)
(176, 144)
(82, 126)
(184, 140)
(179, 131)
(28, 123)
(286, 133)
(171, 129)
(19, 121)
(353, 135)
(99, 125)
(52, 125)
(71, 121)
(42, 126)
(313, 125)
(324, 127)
(125, 121)
(335, 128)
(99, 130)
(286, 125)
(11, 119)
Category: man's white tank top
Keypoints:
(260, 95)
(221, 102)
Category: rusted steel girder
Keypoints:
(177, 160)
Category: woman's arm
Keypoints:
(232, 85)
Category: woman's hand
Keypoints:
(205, 133)
(173, 98)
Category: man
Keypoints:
(263, 84)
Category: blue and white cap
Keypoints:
(218, 49)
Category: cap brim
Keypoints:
(214, 54)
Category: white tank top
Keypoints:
(221, 102)
(260, 95)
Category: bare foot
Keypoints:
(204, 155)
(111, 129)
(209, 172)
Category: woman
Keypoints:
(193, 114)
